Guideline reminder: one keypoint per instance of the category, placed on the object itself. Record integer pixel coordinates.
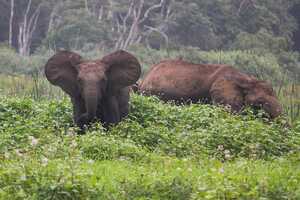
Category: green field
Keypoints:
(161, 151)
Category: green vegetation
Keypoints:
(161, 151)
(26, 73)
(208, 25)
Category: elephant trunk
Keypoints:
(273, 107)
(91, 102)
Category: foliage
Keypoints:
(161, 151)
(78, 30)
(12, 63)
(172, 130)
(193, 21)
(262, 41)
(208, 25)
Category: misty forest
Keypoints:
(129, 145)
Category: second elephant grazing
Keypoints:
(99, 89)
(182, 82)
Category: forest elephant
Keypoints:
(182, 82)
(135, 86)
(99, 89)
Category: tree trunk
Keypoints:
(87, 6)
(27, 28)
(12, 6)
(133, 32)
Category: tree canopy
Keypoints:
(207, 25)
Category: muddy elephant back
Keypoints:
(175, 80)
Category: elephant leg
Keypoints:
(78, 111)
(226, 93)
(111, 112)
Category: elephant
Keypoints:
(99, 89)
(135, 86)
(183, 82)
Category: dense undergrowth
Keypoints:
(160, 151)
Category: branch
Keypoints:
(127, 15)
(243, 3)
(146, 14)
(25, 22)
(87, 7)
(26, 29)
(158, 31)
(120, 42)
(100, 15)
(33, 20)
(134, 26)
(53, 15)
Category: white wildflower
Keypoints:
(91, 161)
(220, 147)
(6, 155)
(19, 153)
(44, 161)
(71, 132)
(74, 144)
(23, 177)
(221, 170)
(33, 141)
(227, 154)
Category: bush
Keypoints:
(172, 130)
(262, 41)
(12, 63)
(161, 151)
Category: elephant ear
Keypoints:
(243, 81)
(123, 69)
(61, 70)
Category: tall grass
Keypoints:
(34, 86)
(290, 98)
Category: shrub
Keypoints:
(197, 129)
(12, 63)
(161, 151)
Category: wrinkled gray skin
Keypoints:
(99, 89)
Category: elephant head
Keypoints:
(135, 86)
(92, 80)
(259, 94)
